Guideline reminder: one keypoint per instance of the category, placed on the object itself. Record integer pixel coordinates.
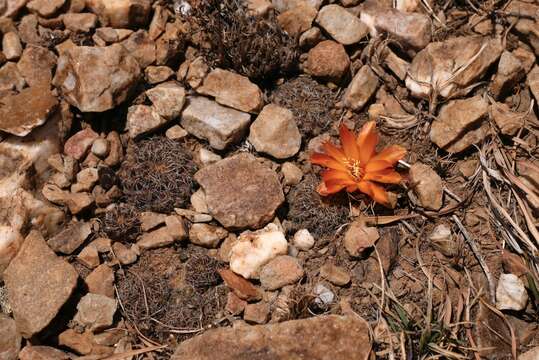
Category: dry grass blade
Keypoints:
(129, 354)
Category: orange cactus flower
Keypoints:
(357, 166)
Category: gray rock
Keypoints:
(362, 87)
(38, 283)
(69, 239)
(281, 271)
(219, 125)
(142, 119)
(342, 25)
(96, 312)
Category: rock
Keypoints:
(158, 74)
(198, 202)
(95, 312)
(303, 240)
(533, 82)
(100, 148)
(322, 337)
(11, 78)
(524, 16)
(514, 264)
(37, 66)
(256, 313)
(297, 20)
(121, 13)
(240, 192)
(176, 132)
(10, 8)
(310, 38)
(142, 119)
(442, 240)
(89, 257)
(86, 179)
(279, 272)
(70, 238)
(275, 132)
(460, 124)
(11, 46)
(141, 47)
(327, 60)
(410, 29)
(167, 99)
(283, 5)
(324, 296)
(80, 343)
(163, 236)
(45, 8)
(125, 255)
(101, 281)
(38, 284)
(96, 79)
(76, 202)
(226, 247)
(342, 25)
(234, 305)
(23, 112)
(116, 152)
(233, 90)
(255, 249)
(207, 235)
(42, 353)
(291, 173)
(77, 146)
(242, 288)
(210, 121)
(335, 274)
(434, 67)
(362, 87)
(176, 227)
(532, 354)
(150, 220)
(207, 157)
(511, 293)
(81, 23)
(169, 45)
(10, 339)
(359, 237)
(509, 122)
(427, 186)
(510, 71)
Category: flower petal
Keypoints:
(334, 151)
(388, 176)
(325, 189)
(392, 154)
(348, 142)
(377, 165)
(367, 140)
(328, 175)
(375, 192)
(327, 161)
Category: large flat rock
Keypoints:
(320, 338)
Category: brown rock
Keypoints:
(121, 13)
(240, 192)
(95, 79)
(10, 339)
(207, 235)
(80, 343)
(281, 271)
(142, 119)
(36, 65)
(169, 45)
(116, 152)
(38, 284)
(342, 25)
(513, 264)
(510, 71)
(30, 108)
(509, 122)
(167, 99)
(77, 146)
(95, 312)
(359, 237)
(42, 353)
(70, 238)
(141, 47)
(322, 337)
(11, 78)
(524, 15)
(233, 90)
(291, 173)
(159, 22)
(361, 88)
(76, 202)
(327, 60)
(101, 281)
(460, 124)
(125, 255)
(89, 257)
(241, 287)
(45, 8)
(83, 22)
(155, 239)
(427, 186)
(335, 274)
(158, 74)
(275, 132)
(533, 82)
(12, 7)
(234, 304)
(297, 19)
(256, 313)
(11, 46)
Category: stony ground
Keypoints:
(157, 199)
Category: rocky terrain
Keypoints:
(159, 197)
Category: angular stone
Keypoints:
(101, 281)
(11, 46)
(234, 305)
(533, 82)
(76, 202)
(10, 339)
(37, 65)
(335, 274)
(233, 90)
(244, 289)
(460, 124)
(38, 283)
(275, 132)
(141, 47)
(45, 8)
(359, 238)
(116, 152)
(21, 113)
(436, 65)
(342, 25)
(524, 16)
(361, 88)
(42, 353)
(125, 255)
(142, 119)
(292, 174)
(121, 13)
(69, 239)
(427, 186)
(82, 23)
(511, 293)
(442, 240)
(281, 271)
(12, 7)
(77, 146)
(510, 71)
(167, 99)
(297, 19)
(150, 220)
(323, 337)
(156, 238)
(240, 192)
(80, 343)
(89, 257)
(176, 132)
(327, 60)
(158, 74)
(96, 79)
(255, 249)
(95, 312)
(219, 125)
(410, 29)
(11, 78)
(207, 235)
(257, 313)
(509, 122)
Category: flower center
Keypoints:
(355, 169)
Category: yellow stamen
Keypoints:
(355, 169)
